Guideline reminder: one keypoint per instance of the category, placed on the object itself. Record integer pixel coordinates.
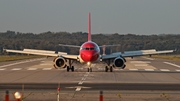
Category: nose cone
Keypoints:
(89, 56)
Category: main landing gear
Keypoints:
(108, 68)
(70, 67)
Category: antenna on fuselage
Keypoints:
(89, 27)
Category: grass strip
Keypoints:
(169, 57)
(4, 58)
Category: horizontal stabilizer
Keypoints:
(70, 45)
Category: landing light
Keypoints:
(89, 63)
(18, 95)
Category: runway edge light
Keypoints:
(58, 94)
(101, 96)
(7, 96)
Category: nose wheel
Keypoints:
(89, 69)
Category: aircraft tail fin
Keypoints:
(89, 27)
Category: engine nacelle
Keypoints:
(119, 62)
(60, 62)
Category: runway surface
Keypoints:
(156, 78)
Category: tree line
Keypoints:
(50, 40)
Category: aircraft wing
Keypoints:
(43, 53)
(72, 57)
(36, 52)
(135, 53)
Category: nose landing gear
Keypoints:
(89, 65)
(89, 69)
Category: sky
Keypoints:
(143, 17)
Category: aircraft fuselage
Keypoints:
(89, 52)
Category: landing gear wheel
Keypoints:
(106, 69)
(89, 69)
(72, 68)
(111, 69)
(67, 68)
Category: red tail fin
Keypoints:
(89, 27)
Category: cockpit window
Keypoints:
(88, 48)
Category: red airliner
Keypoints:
(89, 53)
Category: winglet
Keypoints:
(89, 27)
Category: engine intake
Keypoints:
(59, 62)
(119, 62)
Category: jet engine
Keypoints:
(119, 62)
(59, 62)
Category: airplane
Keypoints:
(89, 52)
